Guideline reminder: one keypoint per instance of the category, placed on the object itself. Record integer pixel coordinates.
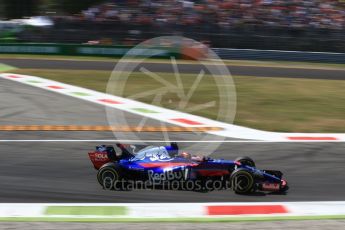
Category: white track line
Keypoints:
(150, 211)
(160, 141)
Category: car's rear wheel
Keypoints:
(246, 161)
(242, 181)
(108, 176)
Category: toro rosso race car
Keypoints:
(164, 164)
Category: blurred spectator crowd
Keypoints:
(222, 13)
(313, 25)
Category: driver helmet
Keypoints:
(101, 148)
(185, 155)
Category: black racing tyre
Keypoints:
(107, 176)
(246, 161)
(242, 181)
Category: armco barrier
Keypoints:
(85, 50)
(279, 55)
(171, 211)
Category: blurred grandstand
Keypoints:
(313, 25)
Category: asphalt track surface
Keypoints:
(62, 172)
(183, 68)
(264, 225)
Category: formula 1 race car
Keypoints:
(165, 164)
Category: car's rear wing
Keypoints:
(99, 158)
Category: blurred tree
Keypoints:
(75, 6)
(19, 8)
(48, 6)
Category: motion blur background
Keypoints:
(305, 25)
(279, 91)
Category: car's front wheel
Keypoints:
(246, 161)
(242, 181)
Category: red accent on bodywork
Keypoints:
(245, 209)
(313, 138)
(165, 164)
(284, 183)
(270, 186)
(98, 159)
(122, 146)
(212, 172)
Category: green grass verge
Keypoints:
(88, 210)
(190, 220)
(274, 104)
(4, 67)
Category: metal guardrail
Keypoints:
(279, 55)
(83, 50)
(166, 52)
